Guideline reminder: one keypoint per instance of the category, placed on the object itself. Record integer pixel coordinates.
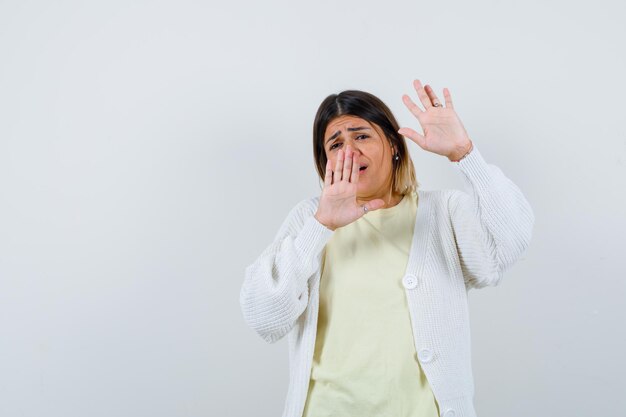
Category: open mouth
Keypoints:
(363, 168)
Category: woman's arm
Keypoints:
(492, 221)
(275, 290)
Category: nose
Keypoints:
(355, 148)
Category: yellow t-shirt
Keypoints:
(365, 362)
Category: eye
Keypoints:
(363, 136)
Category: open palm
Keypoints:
(444, 133)
(338, 206)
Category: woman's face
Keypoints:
(368, 141)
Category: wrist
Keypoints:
(462, 152)
(323, 222)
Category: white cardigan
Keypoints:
(462, 240)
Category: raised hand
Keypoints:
(444, 134)
(338, 206)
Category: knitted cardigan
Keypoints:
(461, 240)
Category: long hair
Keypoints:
(371, 108)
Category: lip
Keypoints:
(361, 171)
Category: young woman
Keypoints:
(370, 279)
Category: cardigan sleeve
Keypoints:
(492, 221)
(275, 291)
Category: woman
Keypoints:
(370, 279)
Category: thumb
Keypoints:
(375, 204)
(413, 135)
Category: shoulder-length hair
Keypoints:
(371, 108)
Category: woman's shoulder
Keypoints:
(438, 195)
(304, 208)
(308, 205)
(441, 198)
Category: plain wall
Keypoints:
(149, 151)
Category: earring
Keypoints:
(396, 157)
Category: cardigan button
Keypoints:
(409, 281)
(425, 355)
(448, 413)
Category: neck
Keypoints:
(391, 199)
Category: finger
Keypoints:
(413, 135)
(347, 164)
(328, 178)
(413, 108)
(448, 97)
(432, 96)
(421, 93)
(354, 178)
(338, 166)
(375, 204)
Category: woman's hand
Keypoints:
(338, 206)
(444, 133)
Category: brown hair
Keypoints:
(371, 108)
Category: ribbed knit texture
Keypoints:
(461, 240)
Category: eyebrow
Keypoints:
(350, 129)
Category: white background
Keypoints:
(149, 150)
